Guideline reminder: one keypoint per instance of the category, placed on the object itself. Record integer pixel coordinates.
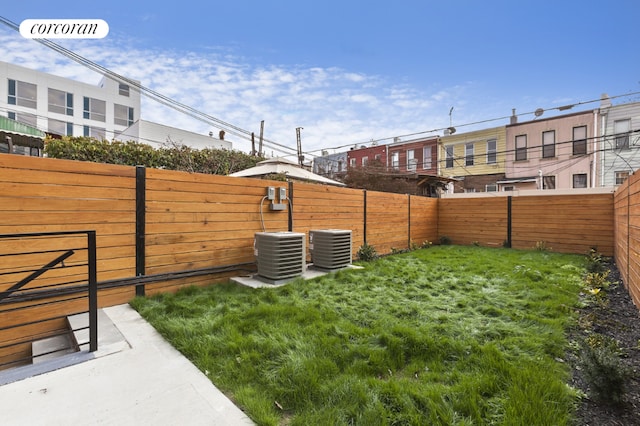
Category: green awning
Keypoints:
(11, 126)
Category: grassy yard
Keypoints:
(443, 336)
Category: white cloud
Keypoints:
(336, 107)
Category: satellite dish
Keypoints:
(538, 112)
(451, 130)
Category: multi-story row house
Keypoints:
(587, 149)
(618, 155)
(417, 156)
(332, 166)
(551, 153)
(474, 160)
(363, 156)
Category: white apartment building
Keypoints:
(62, 106)
(109, 110)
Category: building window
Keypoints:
(468, 154)
(508, 188)
(94, 132)
(580, 180)
(448, 157)
(549, 144)
(469, 190)
(60, 102)
(621, 129)
(123, 89)
(412, 162)
(580, 140)
(521, 147)
(492, 148)
(395, 160)
(352, 162)
(22, 94)
(365, 161)
(548, 182)
(28, 119)
(94, 109)
(426, 158)
(621, 177)
(492, 187)
(378, 157)
(122, 115)
(62, 128)
(339, 166)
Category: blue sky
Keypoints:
(349, 72)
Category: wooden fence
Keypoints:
(627, 234)
(186, 228)
(153, 222)
(567, 223)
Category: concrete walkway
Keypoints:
(135, 378)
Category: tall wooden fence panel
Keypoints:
(387, 221)
(41, 195)
(564, 223)
(423, 220)
(474, 220)
(196, 221)
(327, 207)
(627, 234)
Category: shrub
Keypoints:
(444, 240)
(367, 253)
(603, 369)
(596, 263)
(541, 246)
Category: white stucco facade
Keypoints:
(63, 106)
(157, 135)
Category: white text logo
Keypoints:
(64, 28)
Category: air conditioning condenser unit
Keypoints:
(280, 256)
(330, 248)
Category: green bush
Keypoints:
(596, 263)
(367, 253)
(444, 240)
(171, 157)
(603, 368)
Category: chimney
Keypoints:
(605, 101)
(221, 135)
(514, 117)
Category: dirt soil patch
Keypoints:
(619, 319)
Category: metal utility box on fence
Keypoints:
(280, 256)
(330, 248)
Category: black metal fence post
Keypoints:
(290, 206)
(365, 216)
(93, 291)
(141, 189)
(409, 221)
(509, 226)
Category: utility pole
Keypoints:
(253, 144)
(300, 156)
(261, 136)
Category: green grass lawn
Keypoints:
(449, 335)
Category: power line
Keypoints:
(165, 100)
(441, 129)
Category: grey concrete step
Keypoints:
(52, 347)
(109, 337)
